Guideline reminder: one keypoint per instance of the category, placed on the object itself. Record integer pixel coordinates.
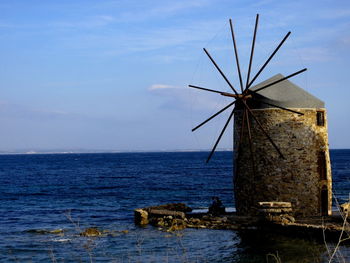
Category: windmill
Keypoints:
(255, 148)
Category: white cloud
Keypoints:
(175, 97)
(162, 86)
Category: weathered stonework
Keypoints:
(298, 178)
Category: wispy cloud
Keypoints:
(85, 23)
(148, 39)
(11, 110)
(6, 25)
(151, 11)
(334, 13)
(344, 41)
(141, 12)
(184, 98)
(313, 54)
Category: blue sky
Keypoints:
(112, 75)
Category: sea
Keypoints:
(47, 200)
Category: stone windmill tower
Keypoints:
(280, 141)
(299, 172)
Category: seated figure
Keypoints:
(216, 208)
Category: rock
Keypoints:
(276, 212)
(141, 217)
(164, 212)
(169, 223)
(345, 208)
(44, 231)
(290, 218)
(91, 232)
(286, 219)
(180, 207)
(56, 231)
(177, 224)
(280, 219)
(195, 221)
(151, 214)
(159, 222)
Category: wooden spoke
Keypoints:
(219, 138)
(268, 60)
(263, 130)
(213, 116)
(220, 71)
(236, 56)
(211, 90)
(248, 115)
(282, 79)
(252, 50)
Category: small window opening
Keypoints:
(320, 118)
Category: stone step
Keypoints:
(275, 210)
(275, 204)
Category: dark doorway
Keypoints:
(321, 165)
(324, 201)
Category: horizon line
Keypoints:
(81, 151)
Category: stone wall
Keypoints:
(296, 177)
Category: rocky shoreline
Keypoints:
(174, 217)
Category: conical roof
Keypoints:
(284, 94)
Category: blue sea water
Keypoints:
(44, 192)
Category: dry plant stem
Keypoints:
(52, 256)
(340, 238)
(139, 242)
(342, 214)
(345, 223)
(90, 255)
(324, 238)
(183, 257)
(89, 245)
(183, 249)
(69, 217)
(14, 257)
(275, 257)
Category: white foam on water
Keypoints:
(61, 240)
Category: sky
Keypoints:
(113, 75)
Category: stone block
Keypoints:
(141, 217)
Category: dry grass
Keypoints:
(335, 254)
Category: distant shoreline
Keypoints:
(106, 152)
(111, 151)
